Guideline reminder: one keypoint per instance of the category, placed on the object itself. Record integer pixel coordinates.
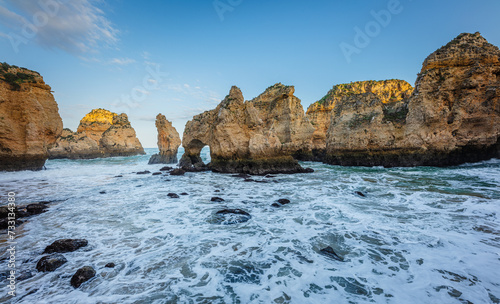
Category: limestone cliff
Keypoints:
(389, 93)
(95, 123)
(29, 119)
(452, 116)
(168, 142)
(255, 137)
(101, 133)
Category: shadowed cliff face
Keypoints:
(29, 119)
(168, 142)
(101, 133)
(452, 116)
(257, 136)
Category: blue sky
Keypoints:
(181, 57)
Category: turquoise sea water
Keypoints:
(420, 235)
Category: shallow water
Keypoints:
(426, 235)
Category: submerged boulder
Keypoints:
(168, 142)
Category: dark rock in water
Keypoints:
(231, 216)
(119, 176)
(270, 176)
(261, 181)
(177, 172)
(248, 180)
(166, 168)
(24, 275)
(173, 195)
(360, 193)
(143, 172)
(217, 191)
(102, 192)
(329, 252)
(66, 245)
(157, 173)
(82, 275)
(110, 265)
(281, 202)
(184, 193)
(216, 199)
(308, 170)
(50, 262)
(284, 201)
(241, 175)
(33, 209)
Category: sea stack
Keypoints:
(259, 136)
(168, 142)
(452, 116)
(356, 104)
(29, 119)
(101, 133)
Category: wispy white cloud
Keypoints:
(76, 26)
(121, 61)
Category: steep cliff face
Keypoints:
(120, 139)
(92, 140)
(29, 119)
(389, 93)
(255, 137)
(74, 145)
(452, 116)
(168, 142)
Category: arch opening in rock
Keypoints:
(191, 159)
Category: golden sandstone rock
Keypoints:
(29, 119)
(101, 133)
(257, 136)
(168, 142)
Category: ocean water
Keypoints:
(419, 235)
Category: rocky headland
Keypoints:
(356, 104)
(452, 116)
(168, 142)
(29, 119)
(259, 136)
(101, 133)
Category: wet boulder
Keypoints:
(50, 262)
(66, 245)
(216, 199)
(82, 275)
(173, 195)
(177, 172)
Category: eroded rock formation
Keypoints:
(453, 115)
(29, 119)
(256, 137)
(101, 133)
(168, 142)
(365, 100)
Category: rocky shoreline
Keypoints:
(452, 116)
